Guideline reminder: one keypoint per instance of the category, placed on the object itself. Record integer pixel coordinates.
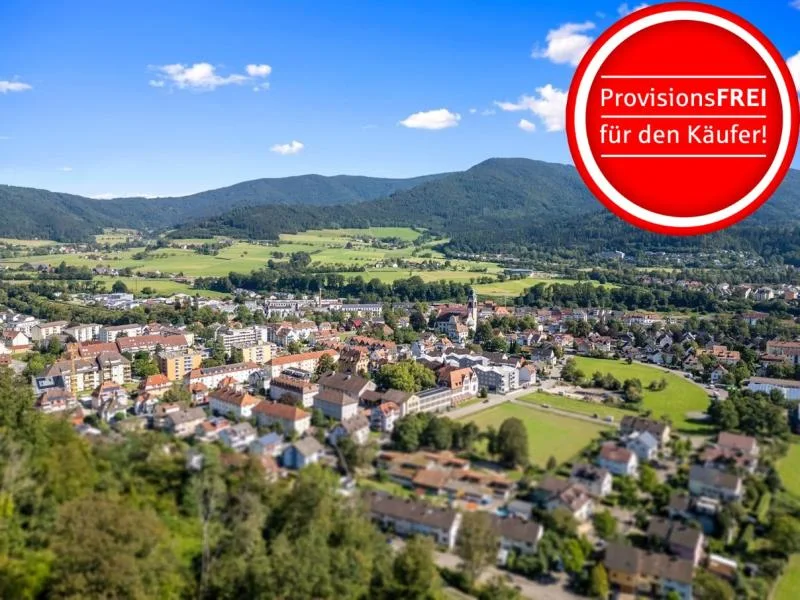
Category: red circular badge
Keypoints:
(682, 118)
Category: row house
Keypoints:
(678, 538)
(152, 343)
(631, 570)
(409, 517)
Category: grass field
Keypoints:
(789, 470)
(27, 243)
(789, 583)
(577, 406)
(160, 286)
(548, 434)
(680, 396)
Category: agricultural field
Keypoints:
(789, 470)
(680, 397)
(580, 407)
(789, 583)
(28, 243)
(548, 434)
(115, 236)
(165, 287)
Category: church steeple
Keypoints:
(472, 309)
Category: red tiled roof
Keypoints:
(293, 358)
(276, 410)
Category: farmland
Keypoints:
(548, 434)
(679, 398)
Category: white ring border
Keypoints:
(581, 137)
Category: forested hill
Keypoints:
(34, 213)
(509, 205)
(489, 195)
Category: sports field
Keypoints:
(548, 434)
(680, 397)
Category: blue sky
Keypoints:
(168, 98)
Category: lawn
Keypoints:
(680, 397)
(548, 434)
(789, 583)
(577, 406)
(789, 469)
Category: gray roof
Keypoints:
(308, 446)
(182, 417)
(412, 511)
(516, 529)
(713, 477)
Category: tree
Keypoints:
(119, 287)
(105, 549)
(648, 479)
(178, 393)
(237, 356)
(552, 463)
(512, 443)
(438, 434)
(406, 375)
(573, 556)
(144, 366)
(497, 589)
(598, 586)
(709, 587)
(605, 525)
(477, 543)
(407, 433)
(326, 364)
(414, 575)
(785, 534)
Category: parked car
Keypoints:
(609, 419)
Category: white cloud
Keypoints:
(292, 147)
(550, 105)
(258, 70)
(441, 118)
(65, 169)
(472, 111)
(526, 125)
(794, 67)
(624, 10)
(14, 86)
(567, 44)
(488, 112)
(204, 77)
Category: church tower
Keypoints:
(472, 310)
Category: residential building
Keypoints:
(155, 385)
(678, 538)
(306, 361)
(84, 332)
(291, 419)
(517, 535)
(230, 401)
(347, 384)
(631, 570)
(152, 343)
(238, 437)
(553, 493)
(383, 417)
(788, 351)
(356, 428)
(260, 354)
(56, 399)
(230, 337)
(183, 421)
(497, 378)
(618, 460)
(643, 444)
(44, 331)
(111, 333)
(176, 364)
(336, 405)
(211, 377)
(410, 517)
(658, 429)
(788, 387)
(462, 382)
(91, 372)
(209, 430)
(16, 341)
(520, 509)
(435, 400)
(705, 481)
(271, 444)
(597, 481)
(302, 453)
(291, 390)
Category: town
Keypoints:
(564, 452)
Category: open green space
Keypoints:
(789, 469)
(27, 243)
(680, 397)
(548, 434)
(789, 583)
(581, 407)
(159, 286)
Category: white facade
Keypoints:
(84, 333)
